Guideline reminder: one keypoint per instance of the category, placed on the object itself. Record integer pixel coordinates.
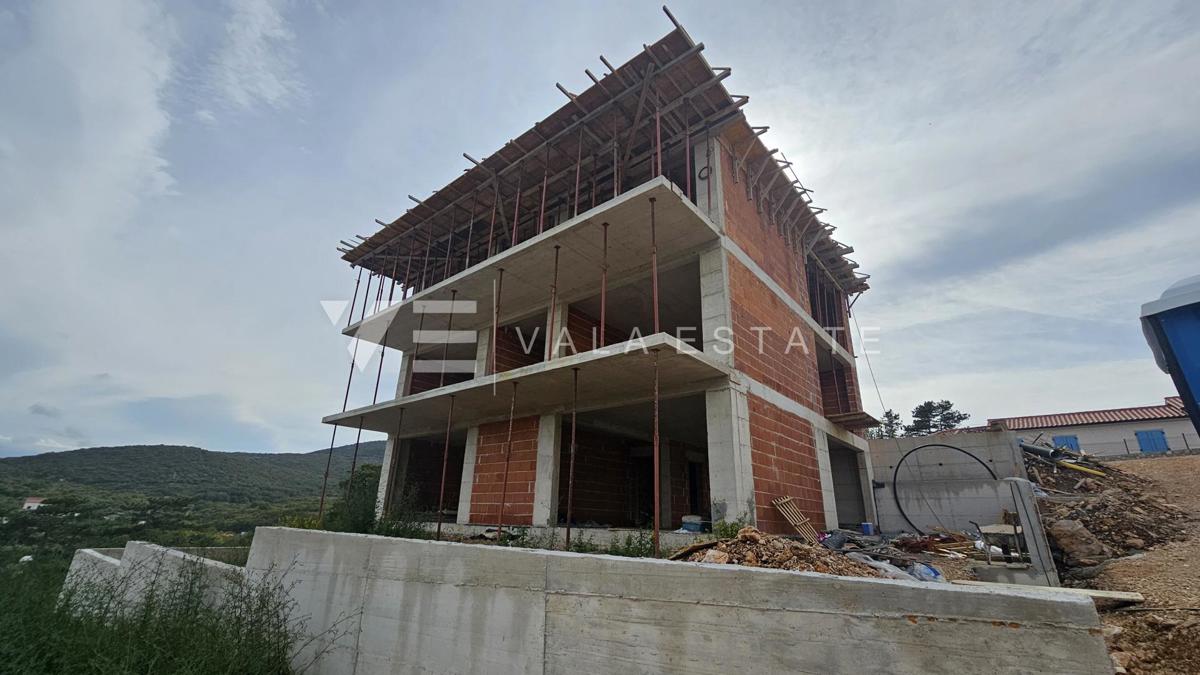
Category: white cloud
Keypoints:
(256, 64)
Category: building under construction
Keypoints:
(629, 314)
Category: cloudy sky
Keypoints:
(174, 178)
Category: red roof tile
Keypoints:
(1172, 408)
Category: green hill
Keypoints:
(181, 471)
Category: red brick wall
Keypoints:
(425, 381)
(839, 391)
(489, 472)
(602, 477)
(791, 371)
(583, 329)
(510, 353)
(784, 460)
(760, 240)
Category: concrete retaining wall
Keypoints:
(394, 606)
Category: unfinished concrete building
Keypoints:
(629, 314)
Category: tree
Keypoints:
(356, 514)
(931, 417)
(892, 424)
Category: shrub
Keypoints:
(184, 623)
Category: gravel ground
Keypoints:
(1168, 575)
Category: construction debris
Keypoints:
(1091, 518)
(757, 549)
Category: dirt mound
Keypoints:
(757, 549)
(1122, 510)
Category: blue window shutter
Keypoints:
(1070, 442)
(1153, 440)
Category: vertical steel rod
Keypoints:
(654, 265)
(496, 315)
(578, 167)
(354, 300)
(366, 296)
(603, 285)
(658, 141)
(516, 210)
(391, 475)
(657, 472)
(687, 158)
(325, 480)
(512, 407)
(551, 332)
(571, 469)
(492, 225)
(353, 464)
(445, 461)
(471, 227)
(542, 203)
(446, 344)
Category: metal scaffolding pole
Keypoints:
(391, 475)
(571, 469)
(657, 459)
(512, 408)
(603, 284)
(496, 316)
(550, 314)
(446, 344)
(445, 461)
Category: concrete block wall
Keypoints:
(395, 606)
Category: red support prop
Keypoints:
(657, 141)
(603, 284)
(445, 461)
(512, 408)
(578, 167)
(552, 311)
(496, 316)
(654, 265)
(354, 301)
(516, 211)
(446, 344)
(325, 480)
(492, 226)
(657, 472)
(571, 470)
(542, 206)
(353, 463)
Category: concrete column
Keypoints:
(730, 477)
(716, 329)
(545, 487)
(825, 469)
(392, 473)
(405, 378)
(483, 351)
(554, 330)
(468, 476)
(708, 181)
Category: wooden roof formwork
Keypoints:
(603, 133)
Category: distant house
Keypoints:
(1117, 431)
(33, 503)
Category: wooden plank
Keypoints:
(1095, 594)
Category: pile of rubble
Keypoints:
(757, 549)
(1092, 518)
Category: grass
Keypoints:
(184, 623)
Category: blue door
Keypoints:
(1152, 441)
(1070, 442)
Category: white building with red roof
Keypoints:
(1116, 431)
